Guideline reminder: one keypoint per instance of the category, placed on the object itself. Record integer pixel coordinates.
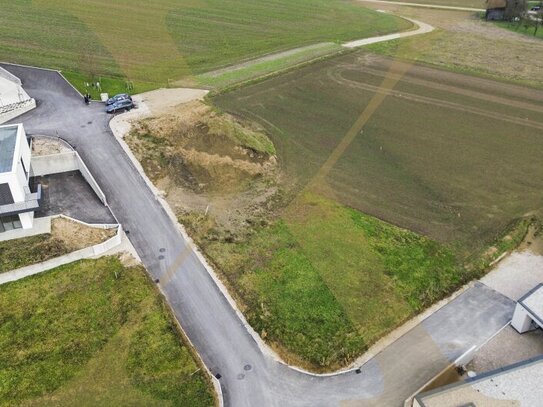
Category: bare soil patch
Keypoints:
(210, 167)
(48, 145)
(77, 236)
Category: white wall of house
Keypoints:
(14, 100)
(17, 177)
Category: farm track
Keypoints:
(335, 74)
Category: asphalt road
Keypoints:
(249, 377)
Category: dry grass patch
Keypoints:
(66, 236)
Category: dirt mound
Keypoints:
(200, 149)
(209, 165)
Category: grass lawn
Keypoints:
(522, 29)
(261, 67)
(455, 3)
(325, 281)
(450, 156)
(93, 333)
(29, 250)
(156, 42)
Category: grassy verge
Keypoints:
(111, 85)
(65, 237)
(324, 282)
(30, 250)
(263, 67)
(480, 4)
(418, 50)
(528, 30)
(93, 333)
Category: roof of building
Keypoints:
(491, 4)
(8, 141)
(533, 302)
(515, 385)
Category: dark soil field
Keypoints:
(454, 157)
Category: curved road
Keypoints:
(249, 377)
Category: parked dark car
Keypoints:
(124, 104)
(118, 98)
(536, 8)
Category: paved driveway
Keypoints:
(249, 377)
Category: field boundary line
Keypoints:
(424, 28)
(434, 6)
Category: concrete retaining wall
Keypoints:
(9, 76)
(86, 253)
(64, 162)
(17, 111)
(54, 164)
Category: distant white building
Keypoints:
(14, 100)
(17, 202)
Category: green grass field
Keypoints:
(521, 29)
(93, 333)
(450, 156)
(324, 281)
(161, 41)
(480, 4)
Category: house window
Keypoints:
(5, 195)
(24, 168)
(10, 223)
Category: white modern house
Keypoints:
(14, 100)
(516, 385)
(17, 202)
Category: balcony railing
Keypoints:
(30, 204)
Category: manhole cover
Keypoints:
(241, 376)
(161, 257)
(89, 122)
(247, 367)
(162, 250)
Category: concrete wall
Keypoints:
(64, 162)
(86, 253)
(522, 320)
(9, 76)
(20, 108)
(54, 164)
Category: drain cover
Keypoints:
(161, 257)
(247, 367)
(241, 376)
(162, 250)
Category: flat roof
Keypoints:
(533, 302)
(515, 385)
(8, 141)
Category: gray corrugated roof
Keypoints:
(8, 140)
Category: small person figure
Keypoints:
(86, 98)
